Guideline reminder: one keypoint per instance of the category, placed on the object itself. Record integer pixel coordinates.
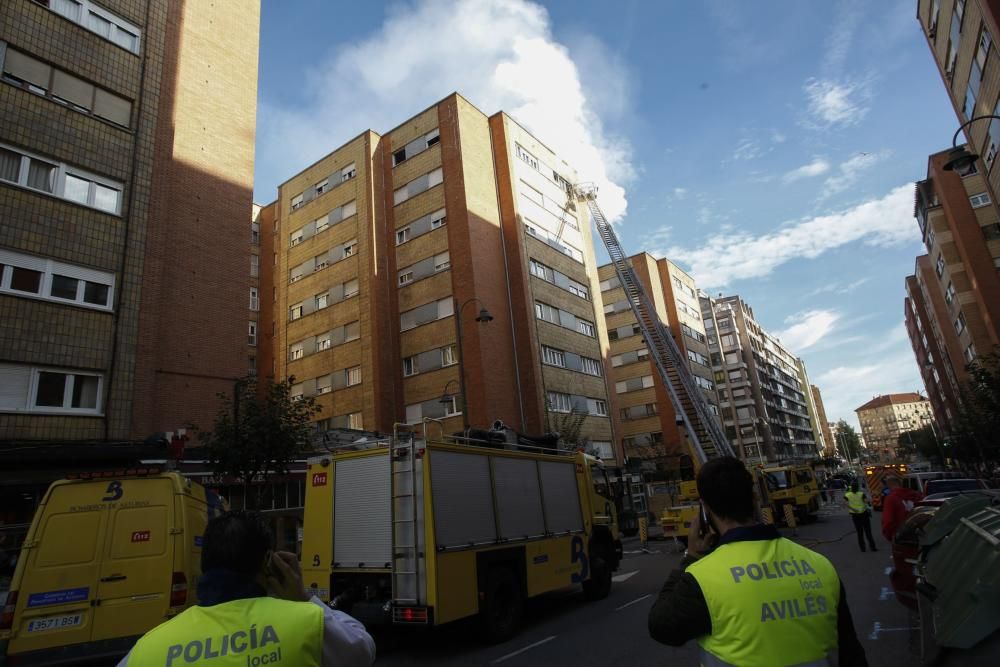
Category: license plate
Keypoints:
(55, 622)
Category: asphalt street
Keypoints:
(563, 628)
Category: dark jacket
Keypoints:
(681, 614)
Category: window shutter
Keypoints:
(75, 90)
(27, 68)
(14, 383)
(114, 108)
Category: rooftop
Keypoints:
(891, 399)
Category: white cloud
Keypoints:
(851, 170)
(777, 137)
(728, 257)
(847, 387)
(499, 54)
(807, 328)
(832, 104)
(680, 193)
(817, 167)
(838, 288)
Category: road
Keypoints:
(565, 629)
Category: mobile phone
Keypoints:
(703, 525)
(269, 569)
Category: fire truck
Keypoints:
(876, 476)
(414, 531)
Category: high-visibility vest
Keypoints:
(772, 602)
(257, 631)
(855, 502)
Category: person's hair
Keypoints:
(726, 486)
(236, 541)
(854, 486)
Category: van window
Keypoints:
(69, 539)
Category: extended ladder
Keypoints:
(405, 542)
(705, 434)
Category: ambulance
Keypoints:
(410, 531)
(108, 557)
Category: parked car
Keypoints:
(952, 485)
(938, 499)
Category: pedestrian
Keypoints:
(748, 595)
(896, 506)
(822, 490)
(860, 510)
(252, 608)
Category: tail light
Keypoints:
(178, 589)
(410, 615)
(7, 613)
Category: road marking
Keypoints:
(885, 594)
(643, 551)
(888, 570)
(624, 576)
(877, 629)
(522, 650)
(629, 604)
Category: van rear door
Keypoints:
(134, 583)
(61, 569)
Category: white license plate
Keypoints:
(55, 622)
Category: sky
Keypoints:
(769, 148)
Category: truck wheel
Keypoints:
(502, 607)
(599, 585)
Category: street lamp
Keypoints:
(960, 159)
(483, 317)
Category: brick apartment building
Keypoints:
(649, 427)
(394, 245)
(829, 445)
(884, 418)
(126, 166)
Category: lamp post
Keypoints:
(483, 317)
(959, 159)
(446, 398)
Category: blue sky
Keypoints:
(768, 147)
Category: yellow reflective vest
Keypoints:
(772, 602)
(855, 502)
(242, 633)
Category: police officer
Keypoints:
(860, 511)
(252, 610)
(749, 596)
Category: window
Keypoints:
(56, 391)
(349, 249)
(578, 289)
(410, 366)
(949, 294)
(405, 278)
(36, 277)
(298, 200)
(295, 312)
(350, 288)
(526, 157)
(296, 237)
(61, 180)
(538, 269)
(402, 236)
(543, 311)
(451, 407)
(252, 334)
(254, 299)
(980, 200)
(449, 356)
(254, 266)
(255, 233)
(930, 238)
(322, 186)
(597, 407)
(610, 284)
(960, 323)
(976, 73)
(955, 37)
(348, 172)
(442, 262)
(940, 265)
(322, 300)
(590, 366)
(602, 449)
(418, 185)
(296, 351)
(553, 357)
(438, 220)
(585, 327)
(416, 146)
(24, 71)
(353, 376)
(991, 231)
(970, 353)
(98, 20)
(324, 342)
(428, 312)
(559, 402)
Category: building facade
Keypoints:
(815, 422)
(762, 400)
(884, 418)
(126, 168)
(651, 436)
(442, 270)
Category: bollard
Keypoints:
(790, 518)
(643, 531)
(767, 515)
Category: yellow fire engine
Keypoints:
(416, 532)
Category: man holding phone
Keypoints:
(749, 596)
(252, 609)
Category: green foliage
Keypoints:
(919, 441)
(568, 425)
(979, 418)
(848, 441)
(259, 432)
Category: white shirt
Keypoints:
(346, 643)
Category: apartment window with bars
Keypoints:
(252, 334)
(939, 266)
(353, 376)
(590, 366)
(553, 357)
(949, 293)
(585, 327)
(559, 402)
(254, 299)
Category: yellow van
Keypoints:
(108, 557)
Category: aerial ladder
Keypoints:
(706, 438)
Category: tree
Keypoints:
(919, 441)
(568, 425)
(979, 415)
(259, 432)
(848, 441)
